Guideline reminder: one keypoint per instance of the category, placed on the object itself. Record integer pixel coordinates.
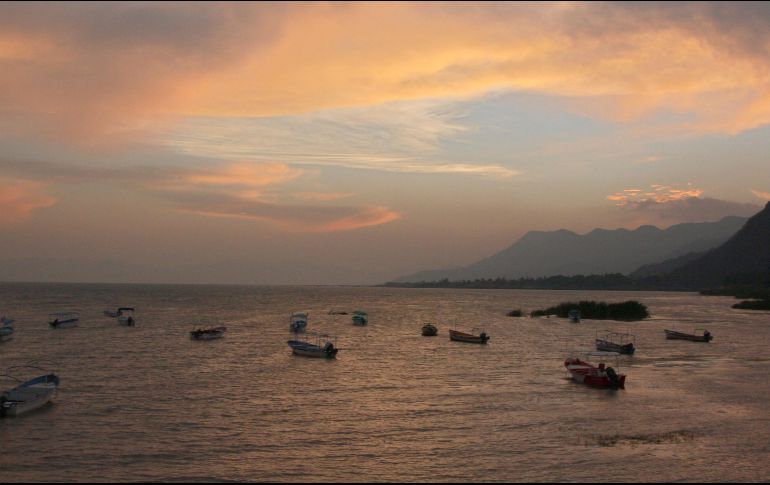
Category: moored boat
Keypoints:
(360, 318)
(298, 322)
(126, 316)
(63, 319)
(208, 333)
(574, 316)
(28, 395)
(600, 375)
(458, 336)
(429, 330)
(622, 343)
(323, 346)
(693, 337)
(7, 329)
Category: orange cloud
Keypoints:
(660, 194)
(760, 194)
(89, 72)
(245, 174)
(18, 198)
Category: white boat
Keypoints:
(29, 395)
(63, 319)
(208, 333)
(478, 337)
(298, 322)
(322, 346)
(126, 316)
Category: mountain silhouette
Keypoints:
(600, 251)
(743, 259)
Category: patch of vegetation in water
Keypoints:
(753, 305)
(515, 313)
(630, 310)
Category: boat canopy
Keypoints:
(125, 309)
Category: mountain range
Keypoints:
(563, 252)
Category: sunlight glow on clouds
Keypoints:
(18, 198)
(762, 195)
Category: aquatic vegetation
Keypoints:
(628, 310)
(515, 313)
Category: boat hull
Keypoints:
(209, 334)
(605, 346)
(64, 324)
(590, 375)
(429, 331)
(127, 321)
(309, 350)
(29, 396)
(468, 338)
(593, 376)
(672, 335)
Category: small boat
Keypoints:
(599, 375)
(705, 337)
(298, 322)
(7, 329)
(622, 343)
(63, 319)
(324, 346)
(574, 316)
(29, 395)
(110, 313)
(429, 330)
(337, 312)
(126, 316)
(208, 333)
(360, 318)
(458, 336)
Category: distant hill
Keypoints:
(600, 251)
(743, 259)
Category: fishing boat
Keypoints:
(319, 346)
(126, 316)
(298, 322)
(622, 343)
(574, 316)
(28, 395)
(63, 319)
(6, 330)
(208, 333)
(600, 375)
(110, 313)
(360, 318)
(458, 336)
(693, 337)
(429, 330)
(338, 312)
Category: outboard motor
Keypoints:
(329, 348)
(613, 377)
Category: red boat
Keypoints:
(599, 376)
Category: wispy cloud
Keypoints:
(394, 137)
(19, 198)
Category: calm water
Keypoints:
(147, 403)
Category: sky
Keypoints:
(353, 143)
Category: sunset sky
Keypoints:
(352, 143)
